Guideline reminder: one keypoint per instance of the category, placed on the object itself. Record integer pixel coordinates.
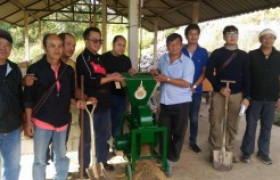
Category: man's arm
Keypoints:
(176, 82)
(200, 78)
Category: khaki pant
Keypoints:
(216, 117)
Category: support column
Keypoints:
(104, 25)
(26, 38)
(40, 34)
(195, 16)
(155, 42)
(133, 34)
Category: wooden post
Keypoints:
(40, 34)
(195, 12)
(155, 41)
(104, 25)
(26, 38)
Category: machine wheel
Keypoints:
(128, 172)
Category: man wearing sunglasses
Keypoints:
(227, 63)
(96, 85)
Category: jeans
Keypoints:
(265, 111)
(102, 133)
(117, 112)
(41, 143)
(10, 153)
(175, 119)
(194, 110)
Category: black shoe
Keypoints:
(265, 159)
(108, 167)
(85, 174)
(195, 148)
(246, 159)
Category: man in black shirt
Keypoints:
(115, 61)
(97, 85)
(10, 109)
(264, 70)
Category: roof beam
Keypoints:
(4, 2)
(211, 6)
(21, 6)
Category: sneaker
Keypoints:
(265, 159)
(246, 159)
(108, 167)
(169, 168)
(195, 148)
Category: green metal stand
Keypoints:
(141, 124)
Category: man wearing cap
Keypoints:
(264, 67)
(11, 110)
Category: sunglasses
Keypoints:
(231, 34)
(95, 41)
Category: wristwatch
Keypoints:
(168, 79)
(194, 86)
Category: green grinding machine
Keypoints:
(142, 127)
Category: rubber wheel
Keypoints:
(128, 172)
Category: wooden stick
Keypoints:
(82, 132)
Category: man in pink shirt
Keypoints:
(47, 104)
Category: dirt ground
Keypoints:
(191, 166)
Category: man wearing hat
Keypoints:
(10, 110)
(264, 69)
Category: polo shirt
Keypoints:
(199, 58)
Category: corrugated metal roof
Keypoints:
(168, 13)
(173, 13)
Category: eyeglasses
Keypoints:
(95, 41)
(231, 34)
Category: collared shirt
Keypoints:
(199, 57)
(182, 68)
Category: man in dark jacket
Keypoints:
(264, 68)
(47, 104)
(97, 85)
(227, 63)
(10, 110)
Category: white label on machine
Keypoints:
(140, 93)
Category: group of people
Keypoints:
(256, 87)
(53, 84)
(42, 100)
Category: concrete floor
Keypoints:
(192, 166)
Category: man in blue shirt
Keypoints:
(199, 57)
(175, 73)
